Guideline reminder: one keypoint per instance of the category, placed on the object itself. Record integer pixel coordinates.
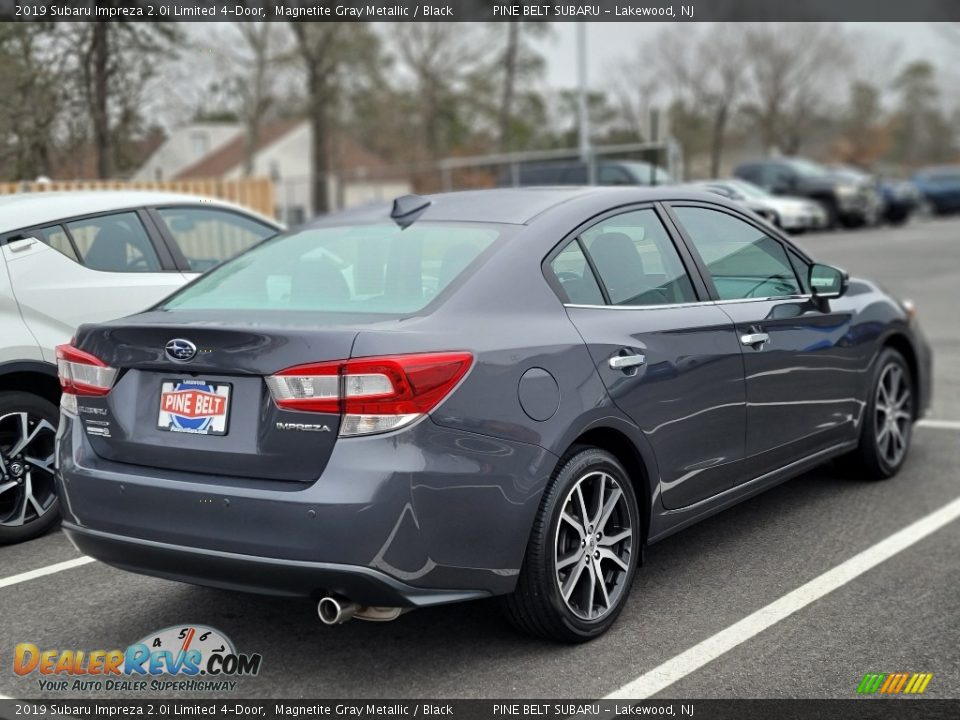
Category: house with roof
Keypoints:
(283, 153)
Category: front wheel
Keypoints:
(888, 423)
(582, 554)
(28, 501)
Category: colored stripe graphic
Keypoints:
(894, 683)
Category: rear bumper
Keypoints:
(247, 573)
(421, 516)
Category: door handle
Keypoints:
(624, 362)
(21, 244)
(754, 338)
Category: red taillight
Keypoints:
(82, 373)
(373, 394)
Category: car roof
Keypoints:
(514, 206)
(24, 210)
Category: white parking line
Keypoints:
(940, 424)
(677, 668)
(48, 570)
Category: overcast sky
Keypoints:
(609, 42)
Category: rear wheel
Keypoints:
(582, 554)
(28, 500)
(888, 423)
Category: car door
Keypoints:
(201, 238)
(668, 360)
(802, 371)
(83, 270)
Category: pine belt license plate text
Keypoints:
(194, 406)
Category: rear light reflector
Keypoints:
(82, 374)
(310, 388)
(373, 395)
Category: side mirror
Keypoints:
(827, 282)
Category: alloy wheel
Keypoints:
(27, 490)
(894, 413)
(594, 541)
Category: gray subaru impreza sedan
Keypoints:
(492, 393)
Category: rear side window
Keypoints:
(114, 243)
(575, 277)
(56, 238)
(207, 237)
(637, 260)
(362, 268)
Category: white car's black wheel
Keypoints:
(28, 500)
(582, 554)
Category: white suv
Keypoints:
(73, 258)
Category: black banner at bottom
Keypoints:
(853, 709)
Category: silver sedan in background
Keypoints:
(793, 214)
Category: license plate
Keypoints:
(194, 406)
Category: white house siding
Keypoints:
(179, 151)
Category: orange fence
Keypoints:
(253, 193)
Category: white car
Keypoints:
(79, 257)
(793, 214)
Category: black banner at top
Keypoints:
(479, 10)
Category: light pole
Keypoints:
(586, 152)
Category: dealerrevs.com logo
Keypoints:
(181, 657)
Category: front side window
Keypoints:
(637, 261)
(743, 261)
(207, 237)
(361, 268)
(114, 243)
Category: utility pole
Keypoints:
(586, 151)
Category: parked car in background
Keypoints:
(476, 394)
(575, 172)
(940, 188)
(847, 202)
(899, 198)
(78, 257)
(793, 214)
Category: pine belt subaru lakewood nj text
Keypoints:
(504, 392)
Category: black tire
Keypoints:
(43, 414)
(832, 212)
(537, 606)
(872, 459)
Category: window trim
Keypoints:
(178, 258)
(159, 247)
(686, 260)
(701, 265)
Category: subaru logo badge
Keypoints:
(181, 350)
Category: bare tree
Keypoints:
(519, 62)
(327, 50)
(114, 60)
(442, 57)
(789, 68)
(32, 66)
(253, 68)
(705, 75)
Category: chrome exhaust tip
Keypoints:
(335, 610)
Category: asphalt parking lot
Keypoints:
(901, 615)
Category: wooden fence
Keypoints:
(253, 193)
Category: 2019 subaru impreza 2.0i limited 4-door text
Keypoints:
(494, 393)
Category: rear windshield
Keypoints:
(361, 268)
